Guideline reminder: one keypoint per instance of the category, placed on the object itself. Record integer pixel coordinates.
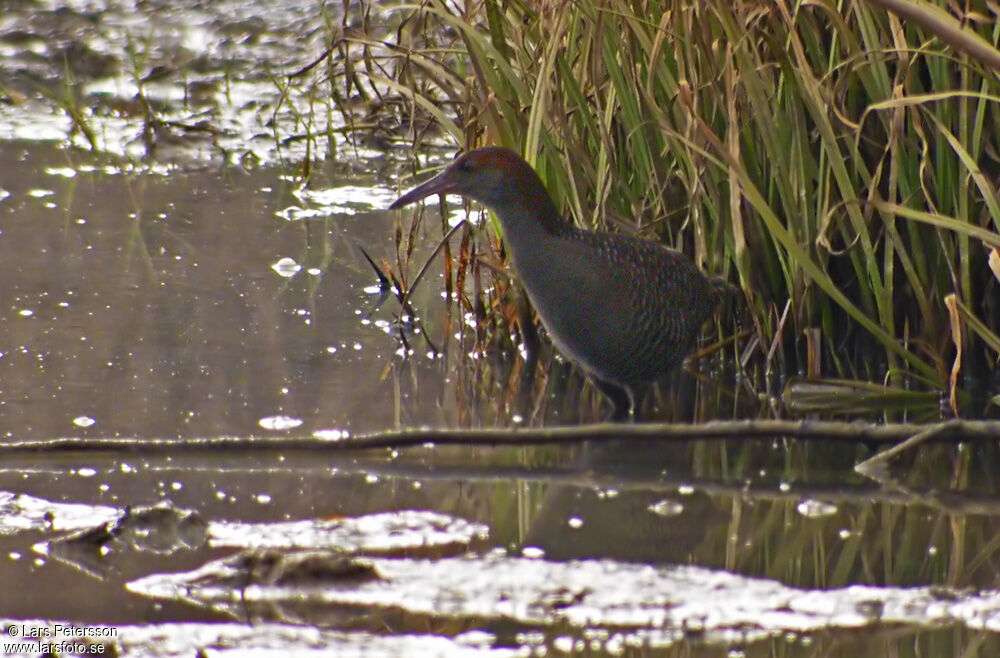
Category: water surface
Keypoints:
(188, 263)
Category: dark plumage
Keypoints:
(624, 309)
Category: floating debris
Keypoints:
(286, 267)
(279, 423)
(815, 509)
(373, 533)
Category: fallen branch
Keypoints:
(856, 431)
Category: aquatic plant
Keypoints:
(838, 163)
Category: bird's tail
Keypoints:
(722, 288)
(730, 297)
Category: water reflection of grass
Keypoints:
(929, 526)
(800, 515)
(834, 163)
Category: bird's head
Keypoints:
(489, 175)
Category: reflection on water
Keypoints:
(532, 547)
(147, 305)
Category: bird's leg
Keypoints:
(526, 384)
(526, 323)
(531, 343)
(621, 397)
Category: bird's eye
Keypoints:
(464, 165)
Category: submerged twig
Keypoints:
(383, 281)
(316, 62)
(876, 465)
(423, 270)
(593, 476)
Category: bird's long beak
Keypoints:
(440, 184)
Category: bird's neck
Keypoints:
(527, 213)
(531, 224)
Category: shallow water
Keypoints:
(146, 304)
(189, 283)
(744, 546)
